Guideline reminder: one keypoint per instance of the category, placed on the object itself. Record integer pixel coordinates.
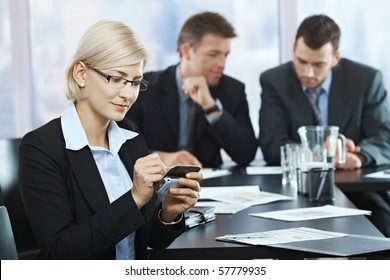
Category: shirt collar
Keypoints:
(325, 85)
(74, 134)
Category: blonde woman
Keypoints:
(87, 178)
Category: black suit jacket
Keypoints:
(67, 204)
(156, 114)
(358, 105)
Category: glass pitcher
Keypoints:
(320, 144)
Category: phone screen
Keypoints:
(181, 170)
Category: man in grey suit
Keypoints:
(349, 95)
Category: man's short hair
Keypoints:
(200, 24)
(317, 30)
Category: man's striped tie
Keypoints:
(313, 95)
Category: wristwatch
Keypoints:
(216, 107)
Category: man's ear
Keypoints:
(336, 59)
(79, 73)
(185, 50)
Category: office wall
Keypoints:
(56, 26)
(364, 28)
(6, 101)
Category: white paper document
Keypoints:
(313, 240)
(311, 213)
(281, 236)
(263, 170)
(212, 173)
(242, 195)
(385, 174)
(222, 207)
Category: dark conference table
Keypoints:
(354, 180)
(200, 243)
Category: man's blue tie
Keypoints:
(313, 95)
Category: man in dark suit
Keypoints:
(350, 95)
(192, 110)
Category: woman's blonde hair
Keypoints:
(106, 44)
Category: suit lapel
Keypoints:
(298, 102)
(201, 123)
(169, 101)
(126, 154)
(338, 110)
(88, 178)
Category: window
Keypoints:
(364, 27)
(56, 27)
(7, 120)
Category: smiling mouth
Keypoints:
(121, 105)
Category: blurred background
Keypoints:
(38, 37)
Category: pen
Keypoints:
(321, 180)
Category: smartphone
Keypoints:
(171, 178)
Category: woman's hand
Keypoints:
(147, 171)
(180, 199)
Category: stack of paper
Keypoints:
(280, 236)
(230, 199)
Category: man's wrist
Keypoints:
(217, 107)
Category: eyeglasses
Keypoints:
(119, 82)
